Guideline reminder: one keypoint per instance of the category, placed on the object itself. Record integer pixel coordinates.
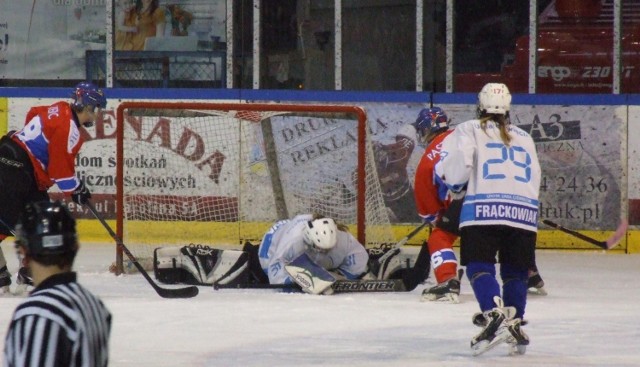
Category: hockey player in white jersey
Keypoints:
(497, 164)
(328, 244)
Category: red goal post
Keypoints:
(222, 173)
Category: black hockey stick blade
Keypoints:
(186, 292)
(395, 250)
(340, 286)
(291, 286)
(611, 242)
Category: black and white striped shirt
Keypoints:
(61, 323)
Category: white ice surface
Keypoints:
(591, 317)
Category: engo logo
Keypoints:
(556, 72)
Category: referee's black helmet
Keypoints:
(46, 228)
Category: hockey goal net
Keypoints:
(222, 174)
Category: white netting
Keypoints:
(208, 176)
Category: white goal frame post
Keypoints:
(130, 114)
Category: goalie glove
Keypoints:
(389, 262)
(390, 265)
(380, 258)
(81, 194)
(457, 195)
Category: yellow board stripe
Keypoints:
(213, 232)
(4, 116)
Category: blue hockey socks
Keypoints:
(514, 287)
(483, 281)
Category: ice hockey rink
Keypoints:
(589, 318)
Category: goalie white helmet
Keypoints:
(494, 98)
(321, 234)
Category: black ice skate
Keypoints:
(488, 337)
(445, 291)
(535, 285)
(518, 339)
(499, 326)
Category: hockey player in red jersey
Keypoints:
(433, 205)
(42, 154)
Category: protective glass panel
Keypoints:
(630, 60)
(379, 45)
(490, 44)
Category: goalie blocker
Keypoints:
(200, 265)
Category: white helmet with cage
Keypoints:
(321, 234)
(494, 98)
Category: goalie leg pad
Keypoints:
(166, 268)
(199, 265)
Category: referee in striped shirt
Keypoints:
(61, 323)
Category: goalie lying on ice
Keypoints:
(327, 244)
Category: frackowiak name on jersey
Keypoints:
(500, 207)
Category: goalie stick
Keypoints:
(186, 292)
(309, 277)
(339, 286)
(610, 243)
(374, 285)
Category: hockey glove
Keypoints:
(81, 194)
(459, 194)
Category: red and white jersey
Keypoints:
(431, 200)
(52, 139)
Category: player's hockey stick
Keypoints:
(186, 292)
(611, 242)
(292, 286)
(13, 233)
(396, 248)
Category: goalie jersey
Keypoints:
(503, 181)
(284, 242)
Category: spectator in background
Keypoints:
(180, 20)
(137, 22)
